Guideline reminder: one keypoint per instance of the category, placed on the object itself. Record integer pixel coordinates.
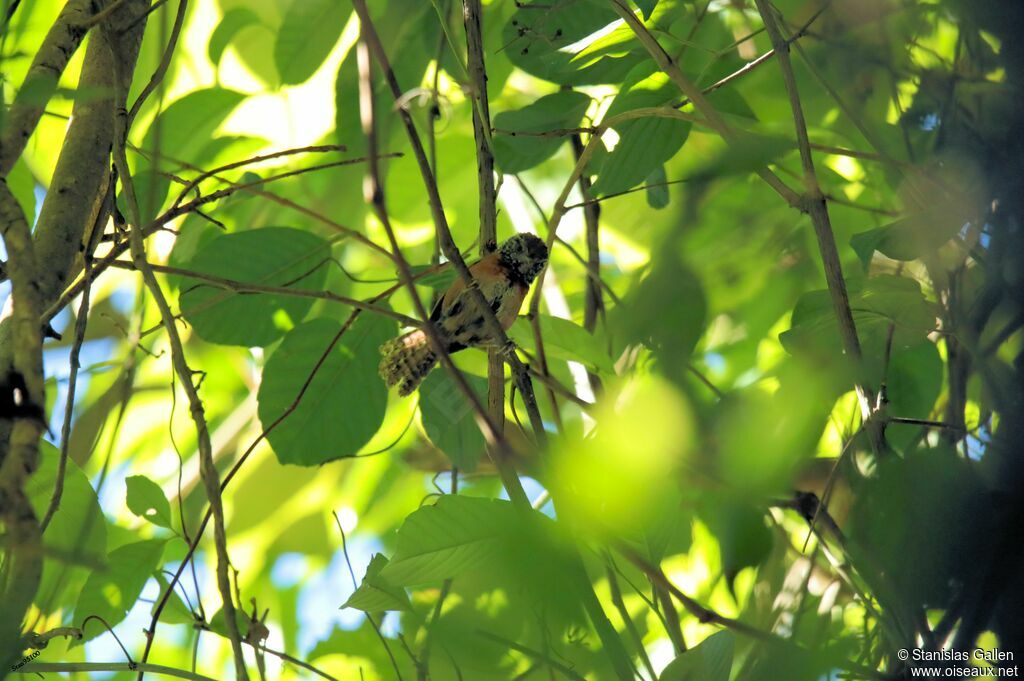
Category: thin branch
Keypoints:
(207, 467)
(355, 585)
(817, 208)
(88, 667)
(24, 560)
(69, 403)
(627, 620)
(243, 287)
(534, 654)
(375, 196)
(471, 14)
(448, 246)
(694, 94)
(60, 44)
(165, 61)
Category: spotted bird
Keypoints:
(504, 278)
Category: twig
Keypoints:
(243, 287)
(375, 196)
(448, 246)
(290, 409)
(535, 654)
(165, 61)
(814, 203)
(180, 364)
(207, 174)
(69, 403)
(88, 667)
(355, 585)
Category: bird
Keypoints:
(504, 278)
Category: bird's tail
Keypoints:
(406, 361)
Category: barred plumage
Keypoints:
(406, 360)
(504, 277)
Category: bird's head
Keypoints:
(525, 255)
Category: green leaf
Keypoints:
(538, 35)
(646, 7)
(185, 128)
(454, 536)
(666, 312)
(449, 419)
(77, 534)
(743, 538)
(234, 20)
(746, 153)
(308, 33)
(376, 594)
(516, 153)
(271, 256)
(711, 660)
(905, 239)
(342, 407)
(147, 500)
(564, 340)
(643, 146)
(881, 302)
(112, 592)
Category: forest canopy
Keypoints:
(758, 417)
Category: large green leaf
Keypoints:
(449, 419)
(146, 500)
(644, 145)
(538, 35)
(110, 593)
(231, 23)
(308, 33)
(906, 239)
(272, 256)
(455, 536)
(343, 405)
(185, 128)
(565, 340)
(881, 303)
(711, 660)
(518, 152)
(666, 312)
(376, 594)
(77, 534)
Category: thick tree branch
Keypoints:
(60, 44)
(24, 382)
